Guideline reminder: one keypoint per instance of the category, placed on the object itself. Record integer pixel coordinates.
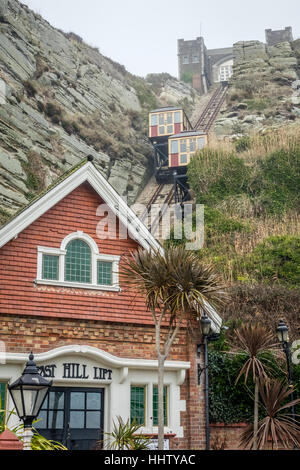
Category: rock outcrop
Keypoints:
(61, 100)
(262, 91)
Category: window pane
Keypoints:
(92, 420)
(169, 129)
(155, 406)
(42, 424)
(201, 142)
(177, 117)
(56, 400)
(192, 145)
(161, 119)
(104, 269)
(183, 145)
(93, 401)
(174, 146)
(183, 158)
(56, 420)
(77, 401)
(78, 262)
(77, 419)
(153, 119)
(161, 130)
(137, 405)
(169, 118)
(50, 267)
(2, 400)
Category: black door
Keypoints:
(74, 417)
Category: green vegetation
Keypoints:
(124, 436)
(228, 403)
(187, 77)
(276, 259)
(145, 95)
(232, 402)
(35, 173)
(216, 175)
(251, 192)
(4, 216)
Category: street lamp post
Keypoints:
(283, 337)
(28, 393)
(205, 326)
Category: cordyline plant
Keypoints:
(253, 341)
(125, 436)
(278, 425)
(175, 285)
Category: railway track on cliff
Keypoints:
(154, 205)
(212, 109)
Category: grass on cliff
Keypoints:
(251, 193)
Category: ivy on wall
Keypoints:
(230, 402)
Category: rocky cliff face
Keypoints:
(264, 89)
(61, 100)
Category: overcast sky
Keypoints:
(142, 35)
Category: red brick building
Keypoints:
(61, 297)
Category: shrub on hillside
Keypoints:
(272, 183)
(265, 303)
(276, 259)
(215, 175)
(281, 180)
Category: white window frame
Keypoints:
(95, 257)
(149, 427)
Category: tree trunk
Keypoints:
(255, 422)
(160, 411)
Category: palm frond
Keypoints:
(176, 279)
(254, 340)
(278, 426)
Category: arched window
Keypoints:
(78, 265)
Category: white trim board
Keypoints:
(87, 173)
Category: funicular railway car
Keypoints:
(182, 147)
(167, 121)
(175, 142)
(164, 122)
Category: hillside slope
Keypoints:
(65, 100)
(250, 189)
(264, 91)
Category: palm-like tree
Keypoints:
(175, 284)
(252, 341)
(125, 436)
(277, 424)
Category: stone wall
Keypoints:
(281, 35)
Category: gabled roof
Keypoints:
(84, 172)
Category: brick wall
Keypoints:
(41, 318)
(18, 267)
(227, 437)
(26, 333)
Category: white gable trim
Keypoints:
(98, 354)
(87, 173)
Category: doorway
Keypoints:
(73, 416)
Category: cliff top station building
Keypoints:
(62, 298)
(203, 67)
